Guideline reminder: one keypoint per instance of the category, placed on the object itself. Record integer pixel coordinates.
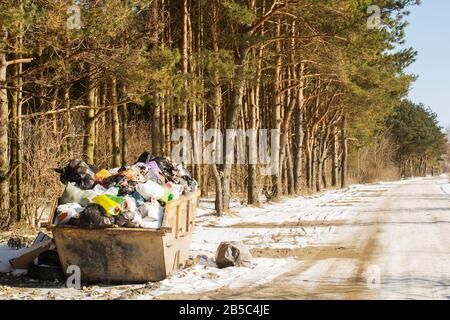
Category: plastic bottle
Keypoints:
(138, 198)
(176, 189)
(168, 196)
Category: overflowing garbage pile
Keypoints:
(130, 197)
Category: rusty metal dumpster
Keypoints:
(127, 255)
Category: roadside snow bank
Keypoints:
(293, 223)
(326, 206)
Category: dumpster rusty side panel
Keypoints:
(127, 255)
(112, 256)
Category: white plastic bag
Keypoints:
(129, 204)
(151, 224)
(153, 211)
(150, 190)
(146, 223)
(113, 191)
(73, 194)
(65, 212)
(99, 189)
(176, 189)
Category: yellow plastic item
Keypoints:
(102, 174)
(111, 207)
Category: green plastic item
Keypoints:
(168, 196)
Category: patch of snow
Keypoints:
(19, 272)
(326, 206)
(200, 278)
(6, 254)
(257, 227)
(208, 239)
(446, 188)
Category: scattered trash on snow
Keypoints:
(233, 254)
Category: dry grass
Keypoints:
(374, 162)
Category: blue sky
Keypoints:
(429, 34)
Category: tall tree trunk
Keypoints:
(185, 62)
(313, 163)
(252, 185)
(156, 110)
(309, 160)
(89, 136)
(4, 153)
(290, 171)
(19, 165)
(67, 147)
(318, 171)
(344, 146)
(14, 145)
(164, 148)
(277, 120)
(334, 158)
(16, 141)
(324, 173)
(298, 160)
(156, 127)
(253, 104)
(115, 125)
(124, 123)
(216, 116)
(231, 123)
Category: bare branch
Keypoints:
(17, 61)
(276, 6)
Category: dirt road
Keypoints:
(397, 247)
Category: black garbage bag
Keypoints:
(49, 258)
(46, 267)
(167, 167)
(145, 157)
(192, 184)
(233, 254)
(177, 173)
(184, 177)
(79, 172)
(127, 189)
(93, 217)
(125, 220)
(115, 181)
(172, 171)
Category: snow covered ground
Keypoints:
(292, 224)
(6, 253)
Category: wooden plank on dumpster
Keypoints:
(177, 223)
(188, 215)
(51, 216)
